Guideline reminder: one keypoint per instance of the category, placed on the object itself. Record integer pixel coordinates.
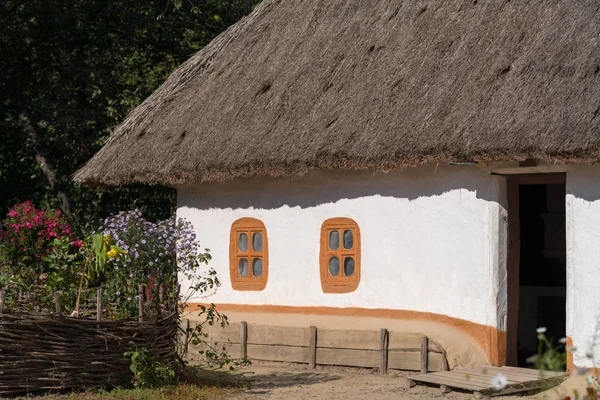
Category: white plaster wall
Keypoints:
(430, 237)
(583, 263)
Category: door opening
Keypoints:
(537, 263)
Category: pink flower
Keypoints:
(12, 213)
(78, 243)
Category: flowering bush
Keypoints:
(37, 251)
(29, 232)
(155, 254)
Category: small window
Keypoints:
(248, 255)
(340, 255)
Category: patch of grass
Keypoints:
(198, 384)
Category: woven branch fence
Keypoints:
(44, 352)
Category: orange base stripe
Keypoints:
(491, 340)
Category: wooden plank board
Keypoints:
(230, 333)
(538, 372)
(455, 383)
(348, 357)
(411, 361)
(279, 335)
(521, 376)
(479, 380)
(233, 349)
(278, 353)
(348, 339)
(405, 340)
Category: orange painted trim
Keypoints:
(340, 283)
(248, 226)
(490, 340)
(570, 364)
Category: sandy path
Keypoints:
(294, 382)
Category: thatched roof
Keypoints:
(370, 84)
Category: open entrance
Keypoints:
(536, 264)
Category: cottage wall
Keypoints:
(583, 264)
(430, 250)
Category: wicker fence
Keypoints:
(45, 352)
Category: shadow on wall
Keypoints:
(322, 187)
(582, 183)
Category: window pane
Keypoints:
(348, 239)
(348, 266)
(243, 242)
(257, 267)
(243, 267)
(257, 241)
(334, 240)
(334, 266)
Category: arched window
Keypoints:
(340, 255)
(248, 255)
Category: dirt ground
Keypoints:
(294, 382)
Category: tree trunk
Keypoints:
(47, 168)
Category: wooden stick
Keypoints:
(57, 303)
(141, 302)
(187, 336)
(99, 304)
(383, 350)
(85, 265)
(243, 340)
(2, 300)
(424, 355)
(312, 348)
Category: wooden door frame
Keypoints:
(513, 182)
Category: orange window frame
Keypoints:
(249, 226)
(340, 283)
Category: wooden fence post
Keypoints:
(141, 302)
(187, 336)
(57, 303)
(424, 355)
(383, 349)
(99, 304)
(243, 340)
(312, 348)
(2, 300)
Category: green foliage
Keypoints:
(100, 252)
(39, 256)
(549, 357)
(63, 265)
(149, 373)
(75, 69)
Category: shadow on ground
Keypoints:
(257, 383)
(263, 383)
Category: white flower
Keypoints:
(562, 340)
(590, 379)
(499, 382)
(532, 359)
(541, 330)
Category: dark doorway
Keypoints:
(537, 263)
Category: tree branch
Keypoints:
(47, 168)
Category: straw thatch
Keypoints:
(377, 84)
